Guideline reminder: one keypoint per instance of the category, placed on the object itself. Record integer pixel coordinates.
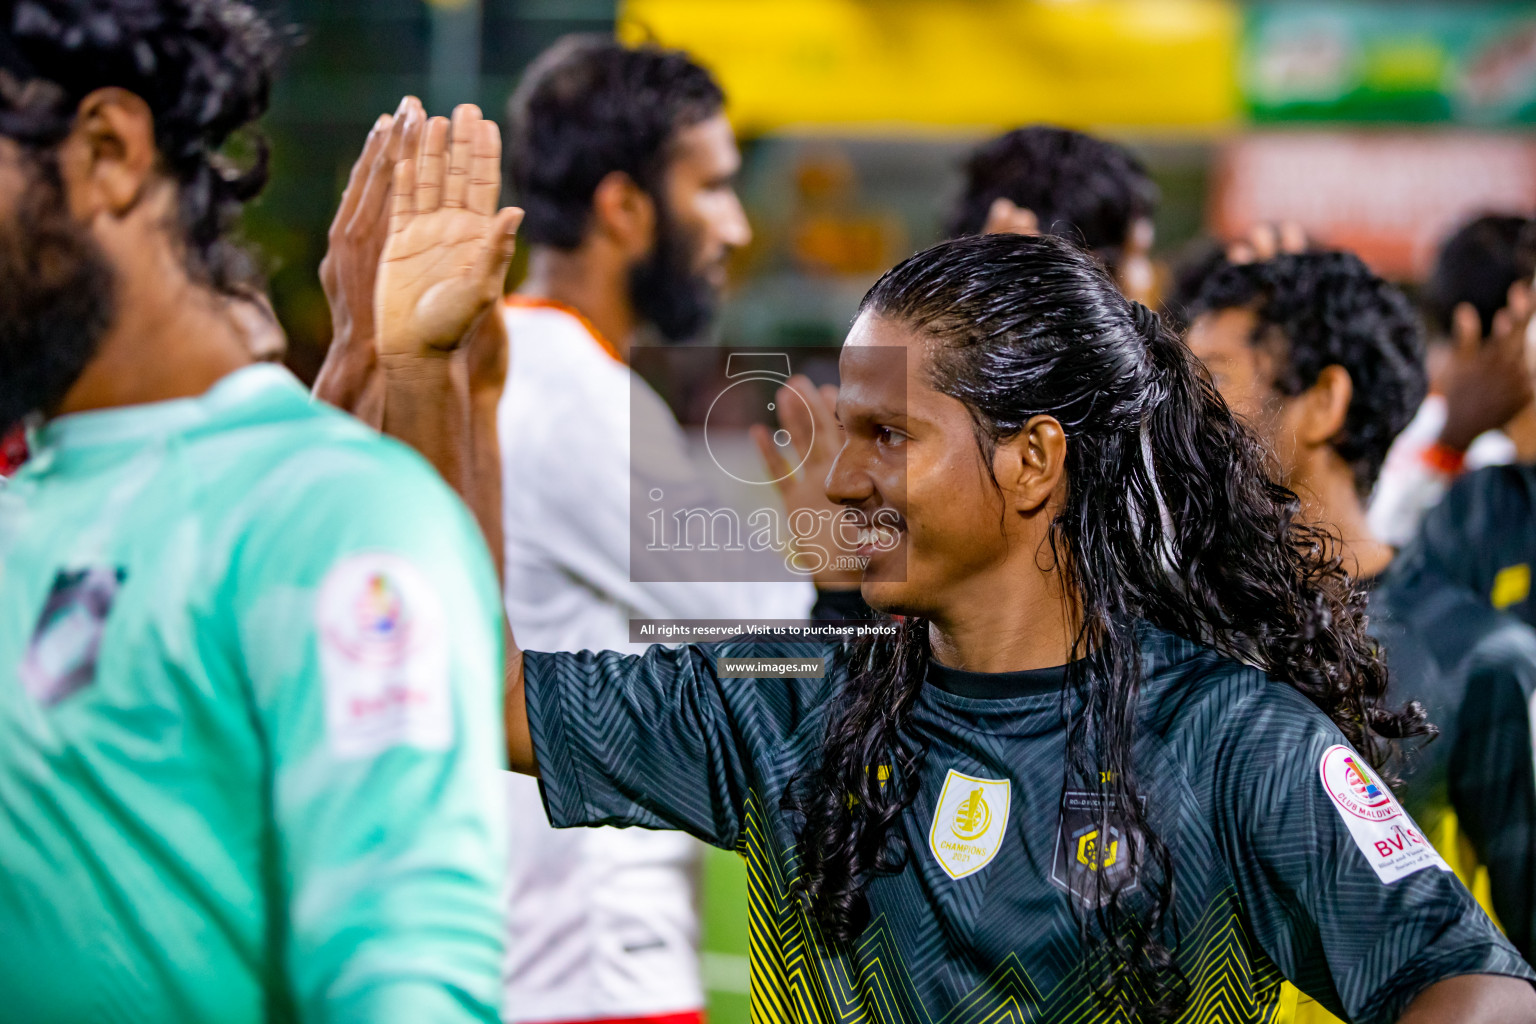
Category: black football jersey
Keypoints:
(1291, 859)
(1474, 669)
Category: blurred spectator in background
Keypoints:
(1482, 535)
(831, 232)
(1199, 261)
(1203, 258)
(1060, 182)
(1480, 410)
(625, 164)
(1326, 362)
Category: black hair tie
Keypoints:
(1144, 319)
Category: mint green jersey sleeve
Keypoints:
(368, 621)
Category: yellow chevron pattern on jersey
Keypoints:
(791, 984)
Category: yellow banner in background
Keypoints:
(869, 65)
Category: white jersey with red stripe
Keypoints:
(603, 922)
(1411, 483)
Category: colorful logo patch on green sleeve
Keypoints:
(383, 657)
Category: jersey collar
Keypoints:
(997, 685)
(515, 301)
(134, 423)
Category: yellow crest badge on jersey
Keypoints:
(969, 823)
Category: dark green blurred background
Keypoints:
(1322, 100)
(350, 61)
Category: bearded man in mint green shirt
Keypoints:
(250, 652)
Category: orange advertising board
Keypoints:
(1391, 197)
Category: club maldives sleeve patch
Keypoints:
(969, 823)
(1388, 838)
(383, 642)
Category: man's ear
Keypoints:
(1031, 465)
(624, 213)
(1322, 408)
(109, 159)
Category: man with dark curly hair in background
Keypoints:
(1055, 181)
(1325, 361)
(249, 707)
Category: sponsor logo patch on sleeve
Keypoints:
(383, 657)
(1390, 841)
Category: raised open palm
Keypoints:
(449, 246)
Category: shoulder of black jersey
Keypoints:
(1195, 695)
(1391, 623)
(1513, 478)
(1493, 492)
(1505, 645)
(1476, 506)
(1483, 527)
(779, 705)
(1449, 620)
(1181, 678)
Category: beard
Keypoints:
(665, 289)
(56, 301)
